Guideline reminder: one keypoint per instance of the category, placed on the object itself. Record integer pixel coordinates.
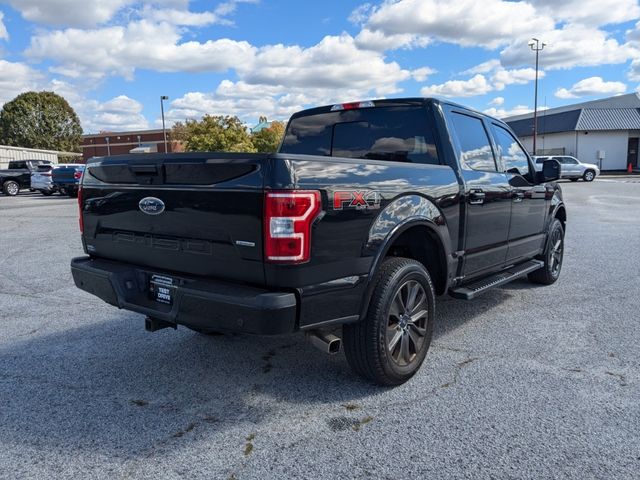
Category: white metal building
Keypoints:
(8, 153)
(604, 132)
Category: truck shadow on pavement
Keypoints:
(113, 387)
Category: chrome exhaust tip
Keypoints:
(325, 342)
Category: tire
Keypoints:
(367, 344)
(62, 191)
(574, 179)
(552, 256)
(46, 193)
(589, 176)
(11, 188)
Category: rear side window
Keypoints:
(475, 149)
(401, 134)
(17, 165)
(513, 156)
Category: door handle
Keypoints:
(476, 197)
(518, 196)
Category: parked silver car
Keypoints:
(41, 179)
(571, 167)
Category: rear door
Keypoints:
(487, 194)
(199, 214)
(41, 177)
(528, 210)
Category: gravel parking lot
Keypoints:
(524, 382)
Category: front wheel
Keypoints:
(389, 345)
(11, 188)
(552, 256)
(589, 176)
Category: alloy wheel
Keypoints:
(407, 323)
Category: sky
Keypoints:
(113, 59)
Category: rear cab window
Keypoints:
(392, 133)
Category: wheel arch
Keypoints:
(422, 237)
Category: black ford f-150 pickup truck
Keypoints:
(367, 212)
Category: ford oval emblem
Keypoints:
(151, 206)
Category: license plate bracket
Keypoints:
(162, 289)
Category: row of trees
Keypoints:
(219, 133)
(45, 120)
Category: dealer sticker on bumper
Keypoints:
(161, 289)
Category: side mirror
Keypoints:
(550, 171)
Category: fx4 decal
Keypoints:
(358, 199)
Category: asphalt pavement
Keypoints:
(524, 382)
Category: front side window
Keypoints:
(475, 149)
(513, 156)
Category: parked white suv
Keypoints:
(570, 167)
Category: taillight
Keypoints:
(77, 175)
(288, 216)
(80, 220)
(45, 174)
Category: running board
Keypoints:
(472, 290)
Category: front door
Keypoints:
(487, 195)
(529, 202)
(632, 152)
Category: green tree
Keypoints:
(268, 140)
(40, 120)
(215, 133)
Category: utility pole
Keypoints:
(164, 130)
(537, 46)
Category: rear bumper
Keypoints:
(204, 304)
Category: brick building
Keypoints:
(118, 143)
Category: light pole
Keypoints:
(164, 130)
(537, 46)
(108, 146)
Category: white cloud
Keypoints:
(4, 35)
(182, 17)
(490, 23)
(16, 78)
(380, 41)
(141, 44)
(571, 46)
(589, 12)
(502, 113)
(590, 87)
(360, 14)
(334, 63)
(484, 67)
(421, 74)
(633, 73)
(497, 102)
(119, 113)
(476, 85)
(519, 76)
(78, 13)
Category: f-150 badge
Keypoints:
(358, 199)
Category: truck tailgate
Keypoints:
(196, 213)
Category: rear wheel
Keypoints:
(589, 176)
(11, 188)
(390, 344)
(552, 257)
